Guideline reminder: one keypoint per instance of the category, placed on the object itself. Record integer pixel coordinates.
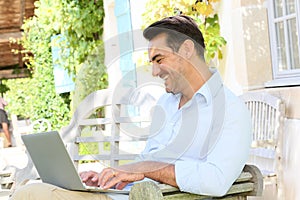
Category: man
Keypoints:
(203, 142)
(4, 124)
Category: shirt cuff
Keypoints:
(183, 171)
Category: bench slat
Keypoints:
(120, 120)
(134, 119)
(142, 191)
(4, 173)
(167, 188)
(241, 188)
(95, 121)
(104, 139)
(249, 183)
(245, 176)
(105, 157)
(183, 196)
(234, 189)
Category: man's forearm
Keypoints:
(163, 172)
(158, 171)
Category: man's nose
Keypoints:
(155, 69)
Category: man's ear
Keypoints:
(187, 49)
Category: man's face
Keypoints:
(166, 64)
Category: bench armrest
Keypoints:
(249, 183)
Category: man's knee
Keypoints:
(44, 191)
(33, 191)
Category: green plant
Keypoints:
(35, 97)
(80, 23)
(3, 88)
(91, 76)
(204, 13)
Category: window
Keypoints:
(284, 26)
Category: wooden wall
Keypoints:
(29, 8)
(12, 13)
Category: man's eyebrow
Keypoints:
(154, 57)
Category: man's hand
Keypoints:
(110, 177)
(90, 178)
(122, 175)
(113, 177)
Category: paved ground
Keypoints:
(14, 156)
(4, 195)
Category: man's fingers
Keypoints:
(110, 177)
(123, 179)
(121, 185)
(90, 177)
(106, 175)
(111, 182)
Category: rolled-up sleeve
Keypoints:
(199, 178)
(224, 163)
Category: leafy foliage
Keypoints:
(91, 76)
(36, 98)
(204, 13)
(3, 88)
(80, 23)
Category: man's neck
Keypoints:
(196, 79)
(183, 101)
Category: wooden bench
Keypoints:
(249, 183)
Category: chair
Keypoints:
(7, 176)
(267, 113)
(7, 173)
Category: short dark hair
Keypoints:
(178, 29)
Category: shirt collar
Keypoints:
(211, 86)
(209, 89)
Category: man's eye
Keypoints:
(159, 60)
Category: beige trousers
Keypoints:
(43, 191)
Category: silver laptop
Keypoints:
(54, 163)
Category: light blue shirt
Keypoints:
(208, 139)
